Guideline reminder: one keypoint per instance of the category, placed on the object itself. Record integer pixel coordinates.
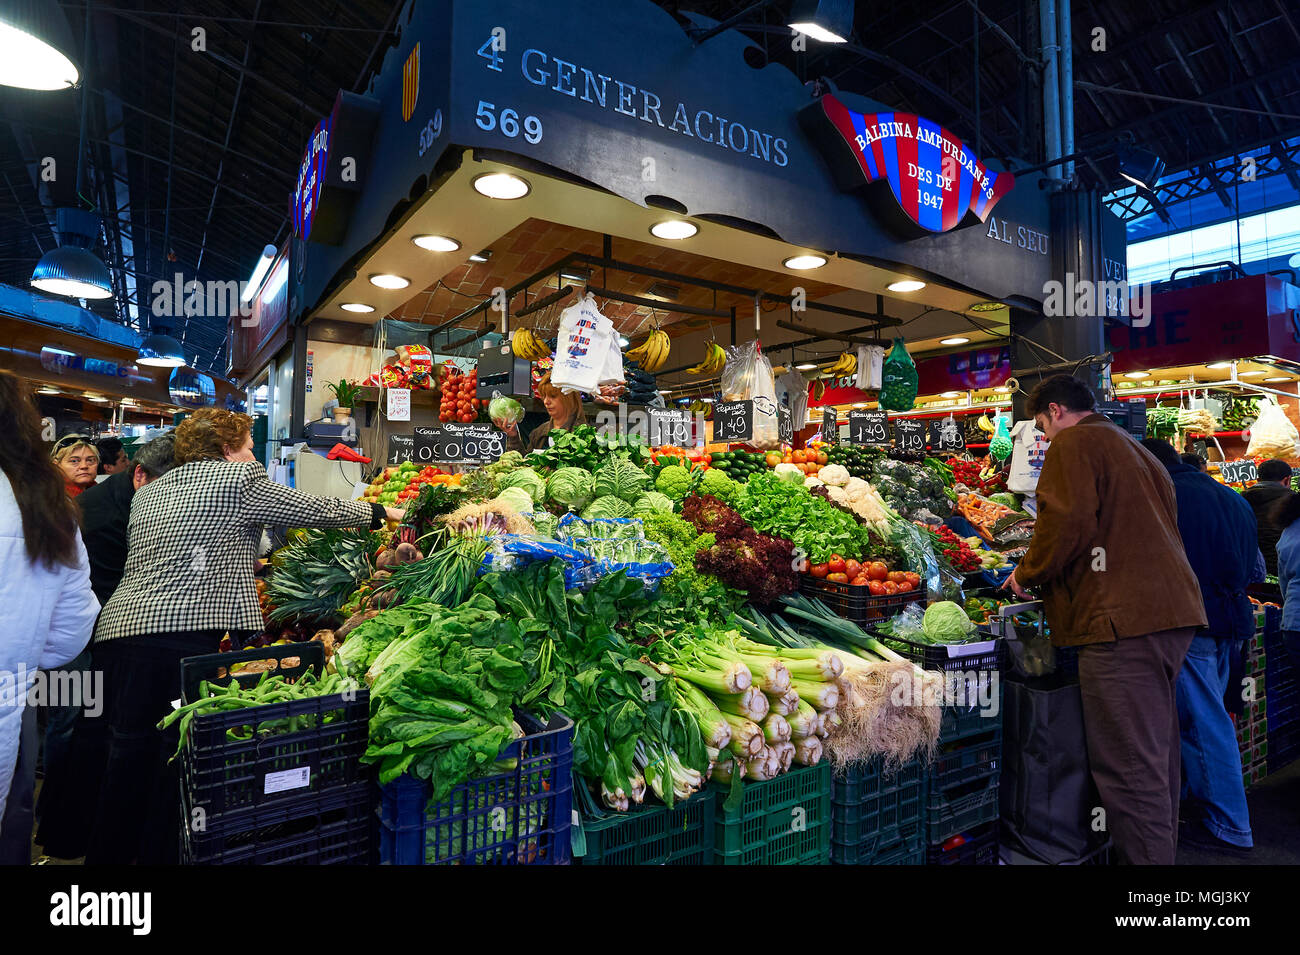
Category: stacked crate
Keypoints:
(1282, 706)
(962, 789)
(1252, 725)
(877, 814)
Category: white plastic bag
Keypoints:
(1028, 451)
(747, 376)
(583, 357)
(792, 389)
(871, 365)
(1272, 435)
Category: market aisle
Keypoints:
(1274, 820)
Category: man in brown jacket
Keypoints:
(1109, 562)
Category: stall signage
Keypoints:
(733, 421)
(946, 435)
(58, 360)
(1238, 472)
(459, 444)
(869, 428)
(329, 173)
(934, 179)
(909, 435)
(669, 426)
(830, 426)
(311, 178)
(784, 425)
(399, 404)
(401, 447)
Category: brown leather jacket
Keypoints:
(1106, 554)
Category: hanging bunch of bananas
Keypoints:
(985, 425)
(652, 354)
(845, 365)
(528, 346)
(714, 359)
(700, 408)
(819, 389)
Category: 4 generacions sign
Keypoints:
(922, 179)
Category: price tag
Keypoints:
(399, 404)
(286, 779)
(1238, 472)
(401, 447)
(452, 443)
(733, 421)
(784, 425)
(830, 426)
(868, 427)
(909, 435)
(669, 426)
(946, 435)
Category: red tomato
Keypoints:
(852, 568)
(859, 581)
(836, 564)
(897, 576)
(876, 587)
(838, 578)
(891, 588)
(819, 571)
(876, 570)
(904, 587)
(913, 579)
(467, 418)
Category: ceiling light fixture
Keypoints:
(1136, 374)
(859, 404)
(803, 262)
(622, 342)
(829, 21)
(905, 285)
(359, 307)
(47, 390)
(805, 367)
(501, 185)
(665, 391)
(958, 340)
(951, 394)
(36, 47)
(1004, 390)
(986, 307)
(1250, 374)
(1279, 378)
(389, 281)
(259, 273)
(1219, 365)
(481, 256)
(707, 401)
(1140, 166)
(160, 350)
(436, 243)
(674, 229)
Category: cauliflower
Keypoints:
(835, 475)
(837, 494)
(812, 481)
(854, 487)
(674, 481)
(789, 473)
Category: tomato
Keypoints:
(891, 588)
(838, 578)
(913, 579)
(819, 571)
(897, 576)
(822, 459)
(859, 581)
(852, 568)
(787, 459)
(799, 457)
(876, 587)
(876, 570)
(467, 418)
(836, 564)
(773, 459)
(905, 588)
(708, 459)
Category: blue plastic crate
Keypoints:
(974, 757)
(979, 846)
(950, 812)
(521, 817)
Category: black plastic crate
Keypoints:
(856, 603)
(966, 760)
(905, 848)
(952, 811)
(961, 721)
(986, 656)
(979, 846)
(333, 829)
(221, 776)
(873, 810)
(519, 817)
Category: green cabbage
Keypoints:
(674, 481)
(570, 487)
(608, 506)
(527, 480)
(652, 502)
(621, 478)
(505, 411)
(946, 622)
(517, 498)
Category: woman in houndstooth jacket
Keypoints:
(193, 535)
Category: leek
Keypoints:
(808, 751)
(804, 721)
(785, 755)
(776, 729)
(821, 696)
(786, 704)
(746, 735)
(751, 704)
(713, 727)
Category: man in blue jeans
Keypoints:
(1220, 537)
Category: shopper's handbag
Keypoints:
(1048, 798)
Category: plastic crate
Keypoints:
(901, 850)
(966, 760)
(221, 776)
(960, 808)
(337, 828)
(959, 722)
(976, 847)
(782, 821)
(983, 656)
(1283, 753)
(872, 811)
(521, 817)
(652, 835)
(856, 603)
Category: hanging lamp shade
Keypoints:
(36, 49)
(830, 21)
(160, 350)
(74, 272)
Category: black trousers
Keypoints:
(137, 816)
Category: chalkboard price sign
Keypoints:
(1238, 472)
(909, 435)
(868, 427)
(401, 447)
(784, 425)
(830, 426)
(946, 435)
(733, 421)
(669, 426)
(459, 444)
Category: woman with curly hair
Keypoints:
(194, 536)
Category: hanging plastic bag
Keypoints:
(1000, 446)
(792, 389)
(899, 380)
(747, 376)
(871, 362)
(1028, 453)
(1272, 435)
(582, 352)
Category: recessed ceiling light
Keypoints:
(707, 401)
(1004, 390)
(356, 307)
(859, 404)
(951, 394)
(954, 341)
(674, 229)
(1250, 374)
(986, 307)
(1126, 384)
(501, 185)
(906, 285)
(385, 280)
(1136, 374)
(1279, 378)
(481, 256)
(1220, 365)
(436, 243)
(805, 367)
(802, 262)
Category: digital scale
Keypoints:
(500, 372)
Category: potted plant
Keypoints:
(346, 393)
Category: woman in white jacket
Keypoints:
(44, 575)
